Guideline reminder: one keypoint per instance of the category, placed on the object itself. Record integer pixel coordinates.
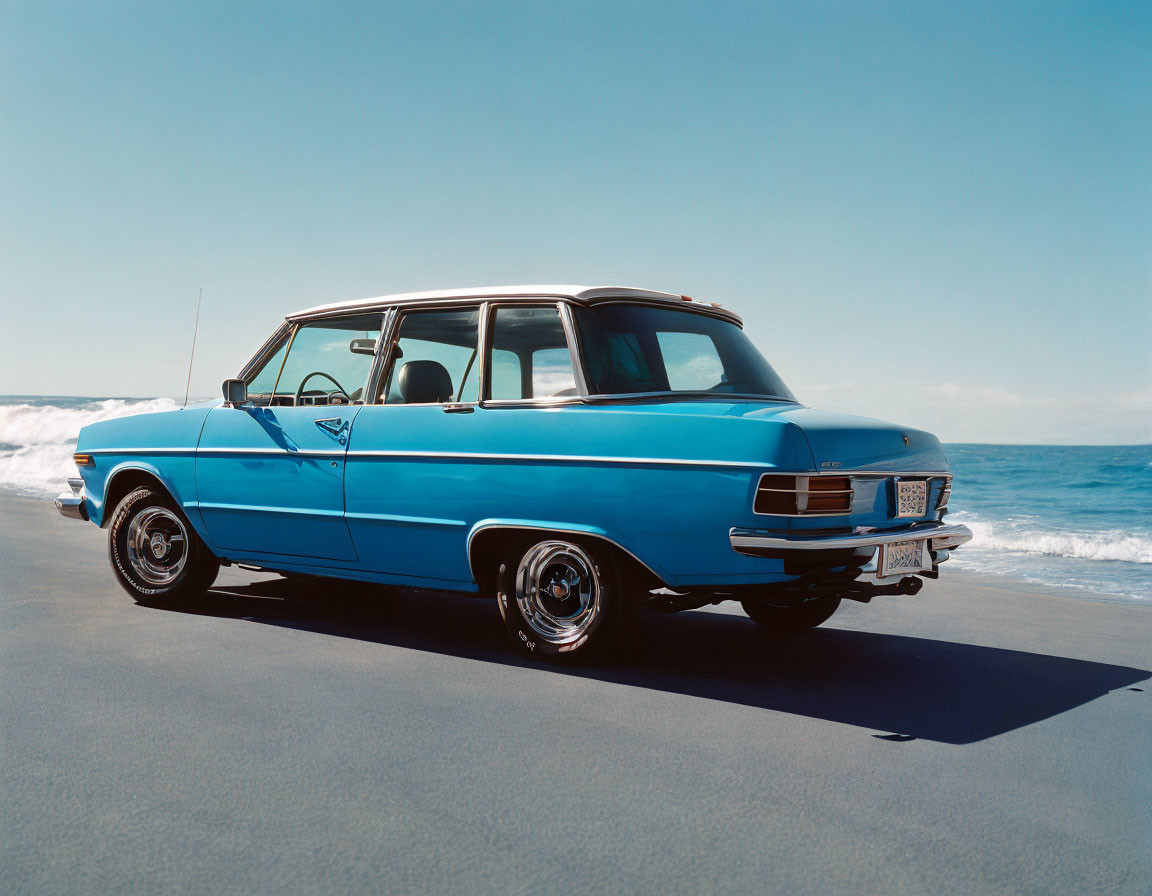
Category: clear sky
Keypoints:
(939, 214)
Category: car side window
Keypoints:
(504, 372)
(435, 359)
(534, 337)
(691, 361)
(327, 362)
(262, 383)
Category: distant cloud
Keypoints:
(968, 395)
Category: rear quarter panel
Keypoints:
(665, 486)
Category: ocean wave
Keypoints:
(38, 441)
(1113, 545)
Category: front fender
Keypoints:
(178, 482)
(162, 445)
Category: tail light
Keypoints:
(945, 494)
(781, 494)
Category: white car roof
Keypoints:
(584, 294)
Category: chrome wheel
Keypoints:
(558, 591)
(157, 545)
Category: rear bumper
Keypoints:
(762, 543)
(71, 503)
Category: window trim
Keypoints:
(269, 347)
(577, 370)
(396, 317)
(283, 363)
(291, 328)
(383, 351)
(671, 395)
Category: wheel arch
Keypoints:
(125, 478)
(490, 540)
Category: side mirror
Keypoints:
(362, 346)
(235, 392)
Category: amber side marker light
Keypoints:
(83, 460)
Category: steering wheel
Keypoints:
(339, 389)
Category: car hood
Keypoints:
(168, 430)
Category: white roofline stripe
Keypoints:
(585, 294)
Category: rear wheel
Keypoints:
(560, 598)
(156, 555)
(800, 618)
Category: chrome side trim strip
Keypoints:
(141, 451)
(207, 452)
(405, 520)
(251, 508)
(467, 455)
(560, 458)
(750, 541)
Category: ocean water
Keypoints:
(38, 436)
(1078, 518)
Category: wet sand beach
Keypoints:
(983, 736)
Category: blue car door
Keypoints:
(270, 473)
(409, 491)
(427, 461)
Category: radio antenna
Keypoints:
(192, 357)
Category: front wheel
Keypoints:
(560, 599)
(780, 619)
(156, 555)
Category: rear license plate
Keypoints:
(911, 497)
(904, 556)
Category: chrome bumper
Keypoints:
(759, 543)
(71, 504)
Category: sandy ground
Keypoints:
(979, 737)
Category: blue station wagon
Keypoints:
(576, 453)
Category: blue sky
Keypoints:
(936, 214)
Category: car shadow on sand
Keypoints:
(910, 688)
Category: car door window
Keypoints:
(504, 371)
(435, 359)
(262, 383)
(327, 362)
(535, 337)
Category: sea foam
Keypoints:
(1102, 545)
(37, 441)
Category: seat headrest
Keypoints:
(422, 382)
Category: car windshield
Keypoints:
(641, 348)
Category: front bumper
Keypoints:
(71, 504)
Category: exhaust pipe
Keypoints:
(864, 591)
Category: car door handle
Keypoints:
(336, 427)
(459, 408)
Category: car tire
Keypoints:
(784, 620)
(561, 598)
(156, 554)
